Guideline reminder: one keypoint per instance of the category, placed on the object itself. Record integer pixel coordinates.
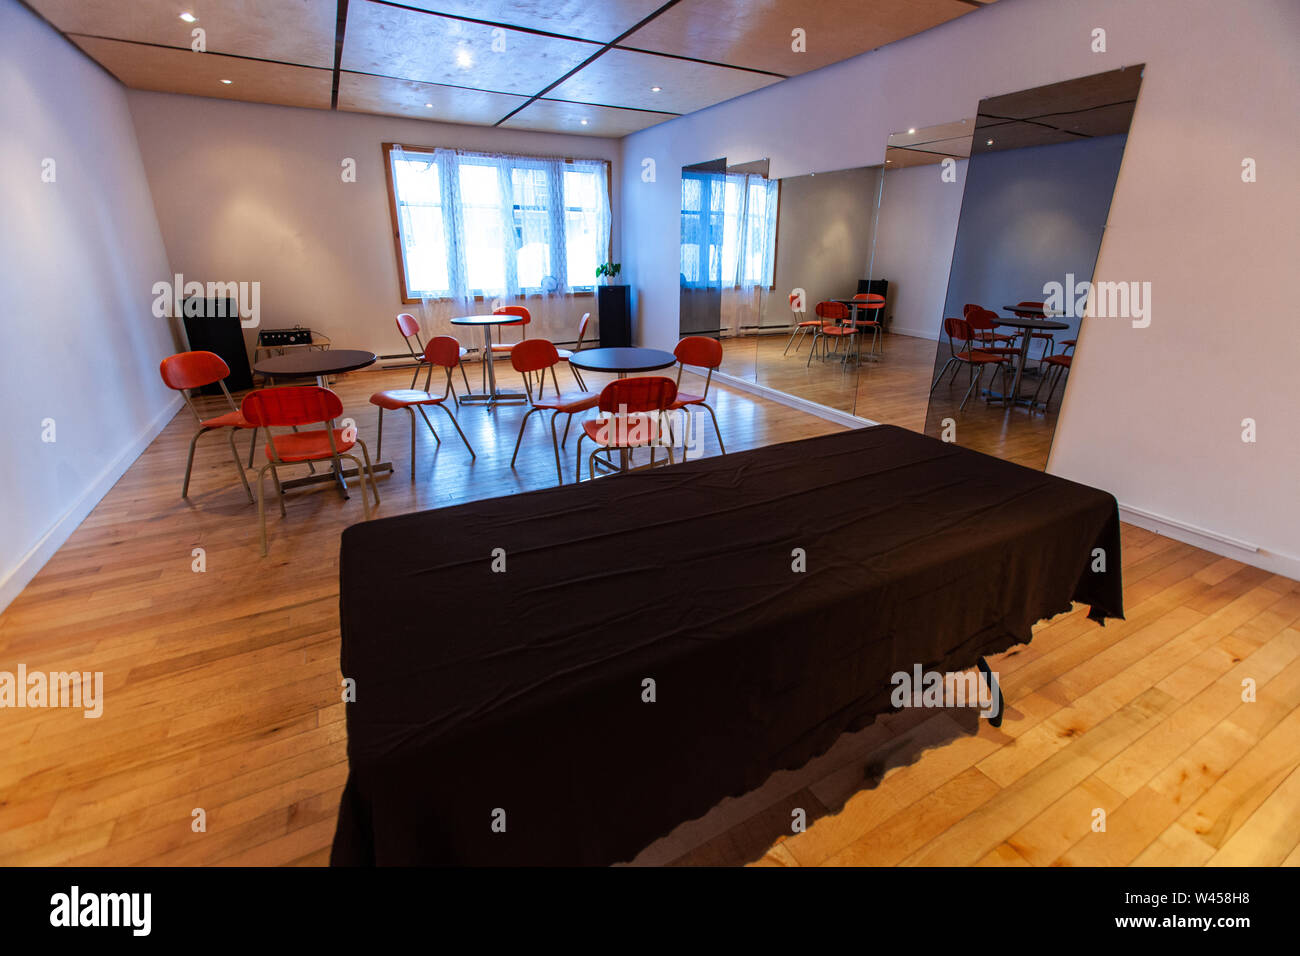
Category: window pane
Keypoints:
(423, 239)
(583, 251)
(532, 227)
(485, 240)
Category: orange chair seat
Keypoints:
(569, 402)
(684, 399)
(809, 323)
(394, 398)
(838, 330)
(980, 358)
(602, 433)
(992, 350)
(233, 419)
(1063, 360)
(1069, 341)
(503, 346)
(307, 446)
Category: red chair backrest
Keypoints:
(443, 350)
(981, 320)
(582, 329)
(192, 369)
(873, 300)
(699, 351)
(533, 355)
(957, 329)
(291, 405)
(968, 307)
(524, 315)
(832, 310)
(1028, 310)
(651, 393)
(407, 325)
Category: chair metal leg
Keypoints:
(716, 430)
(261, 504)
(790, 341)
(361, 477)
(252, 447)
(456, 422)
(379, 448)
(189, 463)
(973, 386)
(555, 443)
(942, 373)
(420, 409)
(567, 422)
(374, 490)
(519, 440)
(239, 465)
(577, 474)
(577, 377)
(410, 413)
(279, 489)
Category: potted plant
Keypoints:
(607, 272)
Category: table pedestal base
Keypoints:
(325, 477)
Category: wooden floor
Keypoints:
(894, 389)
(222, 692)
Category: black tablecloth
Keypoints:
(480, 692)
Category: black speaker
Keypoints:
(873, 287)
(277, 338)
(614, 309)
(212, 325)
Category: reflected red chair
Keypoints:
(1057, 366)
(634, 409)
(525, 318)
(959, 330)
(443, 352)
(802, 326)
(873, 303)
(1035, 310)
(983, 335)
(832, 316)
(291, 406)
(700, 352)
(982, 325)
(538, 356)
(409, 328)
(188, 370)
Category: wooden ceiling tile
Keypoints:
(560, 116)
(759, 35)
(362, 93)
(289, 31)
(200, 74)
(624, 78)
(410, 45)
(602, 21)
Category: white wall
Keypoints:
(915, 239)
(78, 258)
(1153, 415)
(249, 192)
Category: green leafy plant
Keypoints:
(609, 269)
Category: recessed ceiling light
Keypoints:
(464, 59)
(989, 143)
(428, 106)
(189, 17)
(583, 122)
(227, 82)
(656, 89)
(912, 131)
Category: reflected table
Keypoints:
(1026, 325)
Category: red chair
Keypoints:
(959, 330)
(1058, 364)
(700, 352)
(802, 326)
(410, 329)
(525, 317)
(539, 355)
(194, 370)
(832, 315)
(291, 406)
(983, 335)
(634, 408)
(442, 351)
(874, 303)
(1036, 310)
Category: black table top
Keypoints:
(486, 319)
(308, 364)
(1044, 325)
(1036, 311)
(527, 695)
(622, 359)
(861, 303)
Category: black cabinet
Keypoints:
(614, 309)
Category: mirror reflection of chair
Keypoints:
(975, 360)
(873, 303)
(1057, 367)
(1036, 310)
(832, 316)
(982, 325)
(633, 410)
(803, 324)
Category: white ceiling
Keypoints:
(524, 64)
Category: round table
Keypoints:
(1026, 325)
(622, 360)
(857, 305)
(492, 396)
(313, 364)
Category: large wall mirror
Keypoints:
(1038, 186)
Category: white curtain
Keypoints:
(749, 248)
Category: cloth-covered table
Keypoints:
(505, 651)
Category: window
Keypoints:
(749, 231)
(477, 224)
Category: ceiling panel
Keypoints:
(759, 34)
(564, 117)
(200, 74)
(420, 46)
(362, 93)
(291, 31)
(624, 78)
(602, 21)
